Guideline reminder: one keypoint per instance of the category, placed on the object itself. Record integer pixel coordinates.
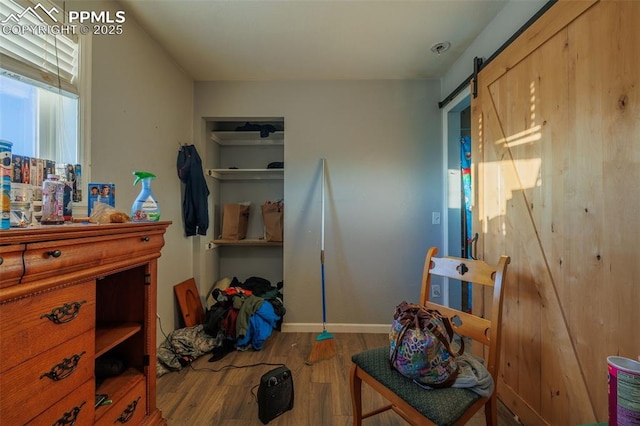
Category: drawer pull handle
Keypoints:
(64, 369)
(70, 417)
(54, 253)
(127, 414)
(146, 239)
(65, 313)
(1, 260)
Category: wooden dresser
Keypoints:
(71, 298)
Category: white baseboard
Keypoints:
(335, 328)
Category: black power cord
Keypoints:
(232, 366)
(182, 361)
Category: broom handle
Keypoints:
(322, 221)
(324, 307)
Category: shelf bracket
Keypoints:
(210, 245)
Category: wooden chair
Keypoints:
(447, 406)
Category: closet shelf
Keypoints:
(246, 138)
(246, 174)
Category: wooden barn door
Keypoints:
(556, 136)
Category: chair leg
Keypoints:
(356, 395)
(491, 411)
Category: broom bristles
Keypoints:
(323, 348)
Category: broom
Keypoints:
(324, 346)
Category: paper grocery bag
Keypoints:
(273, 218)
(235, 220)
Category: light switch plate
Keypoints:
(435, 290)
(435, 218)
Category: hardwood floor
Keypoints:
(198, 396)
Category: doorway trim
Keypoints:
(458, 103)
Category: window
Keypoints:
(40, 94)
(39, 122)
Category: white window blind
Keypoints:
(31, 44)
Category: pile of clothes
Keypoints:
(239, 316)
(244, 313)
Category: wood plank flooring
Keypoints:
(198, 395)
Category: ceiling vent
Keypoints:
(440, 47)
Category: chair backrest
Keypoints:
(481, 326)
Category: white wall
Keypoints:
(141, 108)
(381, 140)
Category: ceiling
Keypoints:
(313, 39)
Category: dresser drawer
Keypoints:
(10, 264)
(54, 259)
(36, 384)
(129, 406)
(76, 408)
(33, 324)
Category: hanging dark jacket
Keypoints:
(195, 211)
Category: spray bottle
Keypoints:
(145, 208)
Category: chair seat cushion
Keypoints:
(441, 406)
